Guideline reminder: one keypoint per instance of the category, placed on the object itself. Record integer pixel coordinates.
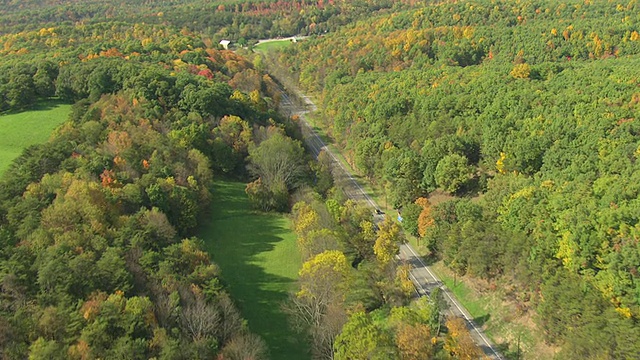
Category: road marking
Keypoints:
(464, 314)
(317, 139)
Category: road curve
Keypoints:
(421, 275)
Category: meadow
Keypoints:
(259, 260)
(22, 129)
(272, 45)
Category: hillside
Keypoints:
(527, 113)
(97, 253)
(521, 116)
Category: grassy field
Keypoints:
(272, 45)
(259, 260)
(19, 130)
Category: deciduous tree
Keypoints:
(388, 240)
(425, 220)
(318, 307)
(414, 342)
(452, 172)
(362, 339)
(279, 164)
(459, 342)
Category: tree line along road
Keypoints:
(423, 278)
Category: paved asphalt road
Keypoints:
(422, 276)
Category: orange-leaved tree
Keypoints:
(414, 341)
(459, 342)
(425, 220)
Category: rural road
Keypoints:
(290, 38)
(422, 276)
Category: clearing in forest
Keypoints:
(22, 129)
(258, 256)
(272, 45)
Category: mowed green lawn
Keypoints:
(259, 260)
(19, 130)
(272, 45)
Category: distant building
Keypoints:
(225, 44)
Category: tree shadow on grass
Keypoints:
(48, 104)
(40, 105)
(481, 320)
(506, 352)
(238, 241)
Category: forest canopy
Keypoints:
(522, 114)
(98, 257)
(526, 113)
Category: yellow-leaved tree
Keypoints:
(459, 342)
(388, 241)
(521, 71)
(318, 307)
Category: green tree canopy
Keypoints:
(453, 172)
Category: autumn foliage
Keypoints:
(414, 342)
(459, 342)
(425, 220)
